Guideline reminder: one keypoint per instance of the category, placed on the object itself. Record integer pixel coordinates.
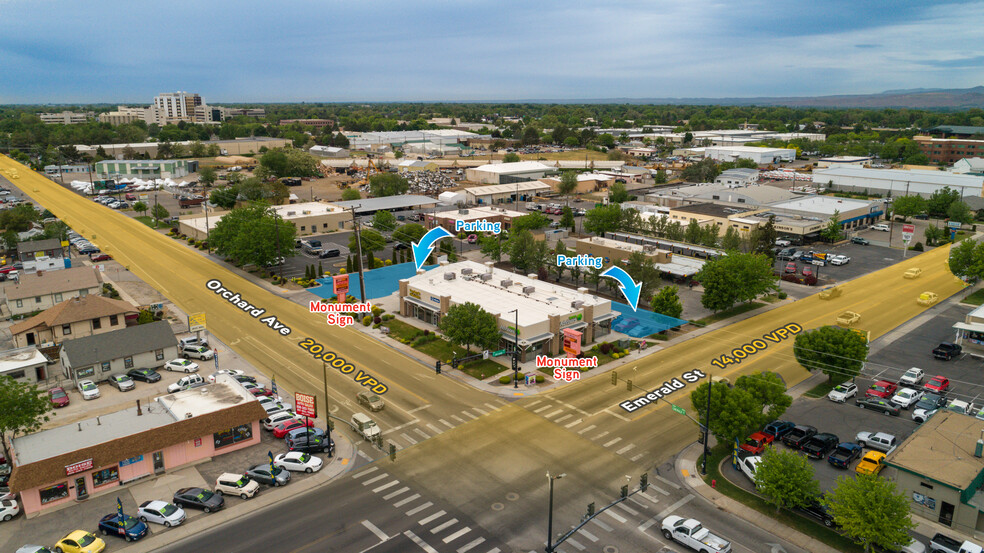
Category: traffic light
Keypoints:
(437, 366)
(644, 481)
(331, 425)
(392, 452)
(625, 491)
(591, 509)
(454, 362)
(515, 361)
(614, 378)
(628, 385)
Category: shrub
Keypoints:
(918, 247)
(508, 379)
(376, 310)
(366, 320)
(605, 348)
(782, 295)
(791, 278)
(388, 317)
(810, 280)
(389, 262)
(377, 320)
(539, 378)
(426, 332)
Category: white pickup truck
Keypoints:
(691, 533)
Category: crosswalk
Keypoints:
(431, 525)
(416, 431)
(574, 419)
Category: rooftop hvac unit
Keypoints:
(529, 289)
(462, 212)
(449, 276)
(506, 283)
(306, 212)
(486, 276)
(648, 248)
(466, 271)
(290, 213)
(577, 304)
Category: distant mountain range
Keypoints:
(921, 98)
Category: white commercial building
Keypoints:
(176, 106)
(753, 195)
(897, 182)
(760, 155)
(844, 161)
(501, 193)
(543, 309)
(737, 177)
(373, 140)
(851, 213)
(500, 173)
(66, 117)
(328, 151)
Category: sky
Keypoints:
(66, 51)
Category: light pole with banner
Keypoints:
(907, 231)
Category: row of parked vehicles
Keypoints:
(889, 398)
(82, 245)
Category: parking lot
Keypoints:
(864, 260)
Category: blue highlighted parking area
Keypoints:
(639, 324)
(380, 282)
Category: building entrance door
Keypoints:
(80, 491)
(946, 513)
(158, 462)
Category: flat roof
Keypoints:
(714, 210)
(547, 298)
(286, 212)
(900, 176)
(845, 159)
(370, 205)
(679, 265)
(471, 213)
(515, 167)
(825, 205)
(14, 359)
(942, 449)
(749, 149)
(506, 188)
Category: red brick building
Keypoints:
(948, 151)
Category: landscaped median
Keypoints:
(429, 343)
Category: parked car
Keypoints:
(844, 454)
(941, 543)
(778, 428)
(947, 351)
(848, 318)
(749, 465)
(798, 436)
(281, 430)
(197, 352)
(878, 404)
(293, 434)
(831, 292)
(757, 442)
(962, 407)
(842, 392)
(186, 382)
(276, 476)
(939, 384)
(144, 375)
(882, 227)
(236, 484)
(244, 378)
(182, 365)
(133, 528)
(927, 298)
(693, 534)
(840, 260)
(872, 463)
(807, 271)
(276, 418)
(100, 257)
(927, 407)
(371, 401)
(906, 397)
(783, 243)
(198, 498)
(786, 254)
(80, 541)
(819, 445)
(790, 268)
(8, 509)
(298, 461)
(912, 377)
(88, 389)
(912, 273)
(311, 443)
(877, 440)
(191, 341)
(58, 397)
(122, 382)
(161, 512)
(881, 389)
(816, 510)
(256, 390)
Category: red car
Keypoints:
(790, 267)
(807, 271)
(883, 389)
(58, 397)
(7, 269)
(755, 444)
(938, 385)
(258, 392)
(100, 257)
(284, 428)
(130, 197)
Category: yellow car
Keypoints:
(830, 293)
(913, 273)
(872, 463)
(80, 541)
(848, 318)
(927, 298)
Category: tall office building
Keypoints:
(172, 107)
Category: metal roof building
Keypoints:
(368, 206)
(897, 182)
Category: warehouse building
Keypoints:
(720, 194)
(586, 182)
(328, 151)
(843, 161)
(146, 168)
(852, 214)
(308, 217)
(236, 147)
(369, 206)
(449, 219)
(502, 173)
(412, 165)
(737, 177)
(616, 251)
(969, 166)
(543, 311)
(505, 193)
(758, 154)
(72, 463)
(896, 182)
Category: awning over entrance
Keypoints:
(606, 317)
(423, 304)
(973, 327)
(577, 326)
(523, 342)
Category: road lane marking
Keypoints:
(624, 449)
(419, 408)
(587, 534)
(494, 550)
(469, 415)
(375, 479)
(391, 495)
(491, 407)
(456, 535)
(613, 442)
(404, 425)
(639, 503)
(457, 418)
(365, 472)
(541, 409)
(602, 524)
(372, 528)
(647, 496)
(660, 490)
(554, 414)
(576, 544)
(619, 518)
(600, 436)
(669, 510)
(444, 526)
(627, 509)
(432, 518)
(575, 423)
(416, 510)
(532, 403)
(386, 486)
(433, 428)
(408, 438)
(364, 456)
(635, 458)
(406, 500)
(471, 545)
(562, 419)
(480, 411)
(423, 545)
(670, 483)
(445, 423)
(422, 433)
(587, 428)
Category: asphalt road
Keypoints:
(478, 450)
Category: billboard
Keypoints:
(306, 405)
(196, 322)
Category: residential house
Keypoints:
(26, 365)
(72, 319)
(38, 291)
(96, 357)
(28, 251)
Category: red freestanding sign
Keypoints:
(306, 404)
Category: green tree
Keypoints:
(207, 175)
(832, 232)
(526, 253)
(252, 234)
(409, 233)
(287, 162)
(908, 206)
(467, 324)
(531, 221)
(763, 239)
(372, 241)
(661, 176)
(617, 193)
(667, 302)
(510, 158)
(384, 221)
(568, 184)
(769, 391)
(939, 202)
(602, 219)
(350, 194)
(693, 232)
(734, 412)
(556, 268)
(224, 197)
(197, 149)
(388, 184)
(837, 352)
(735, 278)
(643, 270)
(934, 235)
(871, 511)
(531, 136)
(567, 219)
(705, 170)
(159, 212)
(960, 211)
(491, 247)
(967, 260)
(145, 317)
(23, 409)
(786, 479)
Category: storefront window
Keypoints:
(54, 493)
(85, 373)
(603, 328)
(105, 476)
(974, 337)
(233, 435)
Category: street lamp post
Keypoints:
(515, 356)
(707, 429)
(550, 547)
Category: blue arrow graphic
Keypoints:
(628, 286)
(424, 248)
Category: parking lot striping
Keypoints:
(619, 518)
(554, 414)
(613, 442)
(386, 486)
(471, 545)
(432, 518)
(422, 433)
(624, 449)
(372, 528)
(406, 500)
(562, 419)
(576, 545)
(587, 534)
(544, 408)
(587, 428)
(419, 508)
(532, 403)
(408, 438)
(457, 535)
(635, 458)
(602, 524)
(480, 411)
(435, 429)
(680, 503)
(670, 483)
(391, 495)
(600, 436)
(445, 423)
(444, 526)
(423, 545)
(457, 418)
(575, 423)
(375, 479)
(491, 407)
(369, 470)
(627, 509)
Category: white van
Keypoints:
(186, 382)
(365, 426)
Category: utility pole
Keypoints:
(208, 236)
(358, 243)
(550, 546)
(707, 429)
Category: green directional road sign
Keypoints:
(498, 352)
(678, 409)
